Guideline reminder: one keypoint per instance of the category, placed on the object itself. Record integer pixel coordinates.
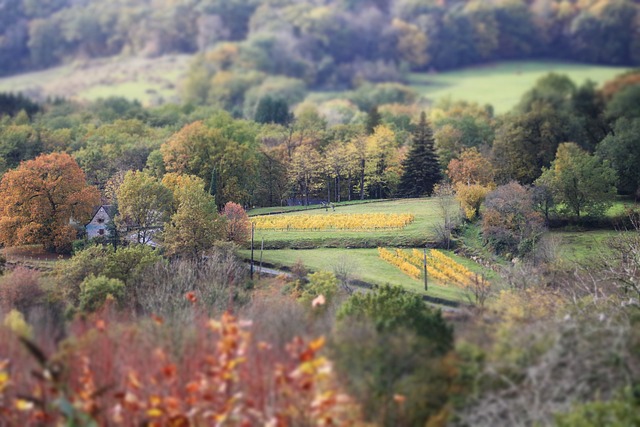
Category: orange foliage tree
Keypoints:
(39, 199)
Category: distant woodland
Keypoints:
(323, 43)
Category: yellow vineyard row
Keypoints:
(402, 264)
(355, 222)
(439, 266)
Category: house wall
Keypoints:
(98, 225)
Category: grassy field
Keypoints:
(415, 234)
(579, 246)
(148, 80)
(315, 249)
(503, 83)
(366, 266)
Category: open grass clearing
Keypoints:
(148, 80)
(579, 246)
(425, 211)
(502, 84)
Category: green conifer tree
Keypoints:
(421, 167)
(374, 119)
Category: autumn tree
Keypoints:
(382, 166)
(471, 168)
(459, 125)
(580, 182)
(181, 185)
(472, 176)
(337, 162)
(226, 165)
(510, 223)
(41, 198)
(304, 170)
(421, 169)
(449, 210)
(358, 145)
(144, 204)
(471, 198)
(194, 227)
(272, 184)
(236, 223)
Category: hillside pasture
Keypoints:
(502, 84)
(151, 81)
(357, 251)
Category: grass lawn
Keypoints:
(620, 207)
(367, 266)
(503, 83)
(579, 246)
(415, 234)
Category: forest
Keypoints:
(305, 240)
(327, 43)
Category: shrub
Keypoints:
(94, 290)
(321, 283)
(390, 349)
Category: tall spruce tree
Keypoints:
(374, 119)
(421, 167)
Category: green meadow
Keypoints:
(501, 84)
(151, 81)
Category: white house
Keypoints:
(97, 227)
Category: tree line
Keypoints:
(562, 138)
(324, 44)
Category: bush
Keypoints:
(217, 282)
(391, 350)
(321, 283)
(94, 290)
(509, 222)
(127, 264)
